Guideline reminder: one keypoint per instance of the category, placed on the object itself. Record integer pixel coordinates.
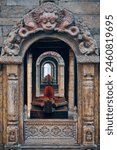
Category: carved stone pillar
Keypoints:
(29, 83)
(71, 82)
(12, 104)
(88, 103)
(61, 80)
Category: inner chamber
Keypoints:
(50, 80)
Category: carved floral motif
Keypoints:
(45, 131)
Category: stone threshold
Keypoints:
(49, 147)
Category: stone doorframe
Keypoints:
(70, 30)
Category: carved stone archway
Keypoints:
(50, 21)
(61, 64)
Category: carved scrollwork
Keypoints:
(88, 45)
(48, 18)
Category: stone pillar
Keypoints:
(29, 83)
(88, 103)
(71, 82)
(37, 79)
(61, 79)
(12, 104)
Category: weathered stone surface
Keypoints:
(22, 2)
(92, 21)
(79, 1)
(3, 2)
(82, 7)
(97, 38)
(0, 31)
(88, 59)
(95, 31)
(1, 41)
(15, 11)
(8, 21)
(6, 30)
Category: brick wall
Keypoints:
(12, 10)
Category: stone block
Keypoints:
(1, 41)
(97, 38)
(0, 31)
(82, 7)
(6, 30)
(92, 21)
(15, 11)
(22, 2)
(8, 21)
(3, 2)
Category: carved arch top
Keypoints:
(48, 18)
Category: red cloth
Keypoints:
(49, 92)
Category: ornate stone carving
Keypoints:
(88, 132)
(88, 136)
(51, 131)
(88, 45)
(48, 17)
(12, 135)
(56, 130)
(11, 46)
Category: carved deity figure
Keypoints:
(12, 136)
(88, 136)
(48, 21)
(10, 47)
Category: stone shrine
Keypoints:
(49, 81)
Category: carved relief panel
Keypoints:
(12, 104)
(88, 135)
(88, 101)
(12, 135)
(88, 91)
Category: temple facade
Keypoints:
(49, 75)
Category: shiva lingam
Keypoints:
(50, 103)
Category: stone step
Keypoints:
(49, 147)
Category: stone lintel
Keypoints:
(88, 59)
(10, 60)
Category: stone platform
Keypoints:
(50, 132)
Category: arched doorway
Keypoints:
(62, 59)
